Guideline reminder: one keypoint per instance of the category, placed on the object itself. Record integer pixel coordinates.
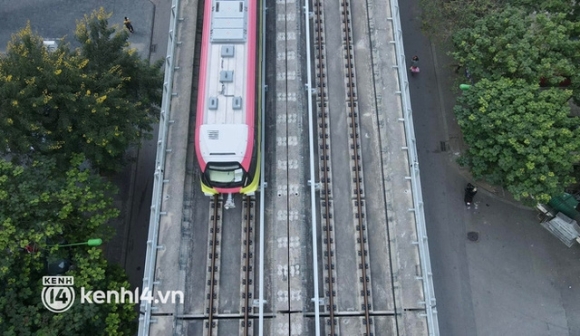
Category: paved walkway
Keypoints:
(517, 279)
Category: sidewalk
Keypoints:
(448, 80)
(117, 249)
(128, 247)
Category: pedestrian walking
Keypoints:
(470, 191)
(414, 65)
(128, 24)
(415, 61)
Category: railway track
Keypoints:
(214, 249)
(214, 268)
(357, 187)
(357, 169)
(246, 283)
(325, 172)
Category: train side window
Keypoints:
(226, 76)
(237, 105)
(228, 50)
(213, 103)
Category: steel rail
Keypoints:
(248, 218)
(324, 169)
(352, 102)
(213, 269)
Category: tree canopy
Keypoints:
(512, 43)
(42, 206)
(569, 7)
(520, 136)
(97, 99)
(441, 19)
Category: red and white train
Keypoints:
(228, 120)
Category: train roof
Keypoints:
(223, 128)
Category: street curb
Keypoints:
(129, 210)
(440, 93)
(152, 30)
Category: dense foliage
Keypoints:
(515, 44)
(442, 18)
(41, 206)
(97, 99)
(569, 7)
(520, 137)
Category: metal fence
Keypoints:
(311, 138)
(418, 209)
(158, 181)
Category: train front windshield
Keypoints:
(229, 175)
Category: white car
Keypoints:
(50, 44)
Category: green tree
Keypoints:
(442, 18)
(569, 7)
(98, 99)
(520, 136)
(133, 108)
(512, 43)
(41, 206)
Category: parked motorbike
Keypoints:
(414, 70)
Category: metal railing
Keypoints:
(316, 299)
(261, 300)
(418, 209)
(164, 122)
(158, 181)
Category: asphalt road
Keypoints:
(136, 181)
(516, 279)
(58, 18)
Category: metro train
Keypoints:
(228, 118)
